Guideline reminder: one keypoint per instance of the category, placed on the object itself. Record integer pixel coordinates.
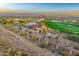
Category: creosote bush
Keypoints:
(13, 52)
(44, 44)
(34, 38)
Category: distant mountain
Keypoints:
(18, 14)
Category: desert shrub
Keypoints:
(63, 53)
(34, 38)
(9, 51)
(44, 44)
(18, 53)
(67, 31)
(13, 52)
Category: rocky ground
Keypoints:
(36, 43)
(12, 40)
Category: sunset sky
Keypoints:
(55, 8)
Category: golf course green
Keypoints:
(62, 27)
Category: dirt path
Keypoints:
(1, 54)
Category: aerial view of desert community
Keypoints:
(39, 29)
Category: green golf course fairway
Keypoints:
(62, 27)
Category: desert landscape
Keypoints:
(39, 32)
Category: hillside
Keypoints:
(16, 42)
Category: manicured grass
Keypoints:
(63, 27)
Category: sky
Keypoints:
(48, 6)
(65, 8)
